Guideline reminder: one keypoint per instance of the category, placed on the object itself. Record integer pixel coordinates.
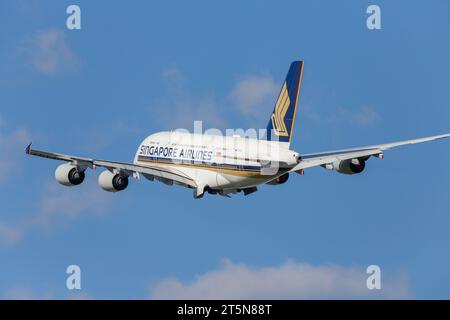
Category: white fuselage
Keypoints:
(219, 162)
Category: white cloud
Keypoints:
(252, 97)
(19, 293)
(22, 292)
(205, 109)
(254, 92)
(290, 280)
(50, 53)
(180, 108)
(60, 204)
(363, 117)
(366, 116)
(57, 206)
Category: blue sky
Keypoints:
(136, 69)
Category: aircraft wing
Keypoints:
(160, 173)
(324, 158)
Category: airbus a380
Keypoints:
(223, 165)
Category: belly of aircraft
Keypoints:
(218, 177)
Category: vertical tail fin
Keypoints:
(281, 123)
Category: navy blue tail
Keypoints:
(281, 123)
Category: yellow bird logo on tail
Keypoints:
(281, 108)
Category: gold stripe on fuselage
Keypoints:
(236, 172)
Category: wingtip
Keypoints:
(28, 148)
(443, 136)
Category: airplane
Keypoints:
(223, 165)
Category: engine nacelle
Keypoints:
(112, 182)
(69, 175)
(280, 180)
(351, 166)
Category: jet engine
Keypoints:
(112, 182)
(280, 180)
(351, 166)
(69, 175)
